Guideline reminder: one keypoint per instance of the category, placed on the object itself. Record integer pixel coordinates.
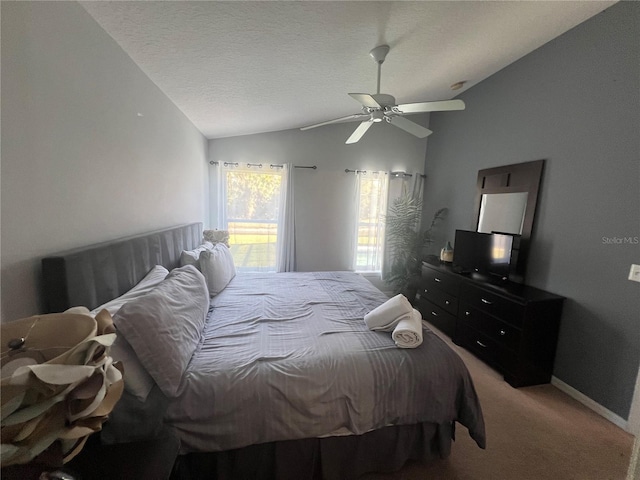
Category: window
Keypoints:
(371, 197)
(250, 199)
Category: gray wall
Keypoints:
(324, 203)
(576, 103)
(79, 165)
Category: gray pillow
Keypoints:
(164, 326)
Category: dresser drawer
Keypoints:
(438, 297)
(502, 333)
(483, 347)
(447, 282)
(508, 310)
(438, 317)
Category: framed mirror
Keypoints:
(502, 212)
(506, 200)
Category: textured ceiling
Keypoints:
(238, 67)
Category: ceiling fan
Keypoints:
(382, 107)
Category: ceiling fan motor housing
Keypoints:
(379, 53)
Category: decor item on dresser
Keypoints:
(295, 345)
(407, 242)
(512, 327)
(446, 254)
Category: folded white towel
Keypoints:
(408, 332)
(386, 316)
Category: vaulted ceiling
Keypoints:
(239, 67)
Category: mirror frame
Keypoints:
(518, 177)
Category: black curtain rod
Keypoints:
(259, 165)
(346, 170)
(314, 167)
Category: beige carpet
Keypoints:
(533, 433)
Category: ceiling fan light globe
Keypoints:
(377, 116)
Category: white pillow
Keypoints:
(144, 286)
(217, 267)
(164, 326)
(136, 379)
(191, 257)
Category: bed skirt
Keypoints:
(330, 458)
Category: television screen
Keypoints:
(471, 251)
(500, 254)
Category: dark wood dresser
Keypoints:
(512, 327)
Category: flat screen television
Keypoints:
(493, 254)
(470, 251)
(500, 255)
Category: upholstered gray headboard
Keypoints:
(93, 275)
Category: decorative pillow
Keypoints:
(217, 267)
(156, 275)
(191, 257)
(216, 236)
(164, 326)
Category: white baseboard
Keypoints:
(589, 403)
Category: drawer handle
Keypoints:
(437, 279)
(481, 344)
(446, 302)
(502, 332)
(426, 291)
(434, 314)
(467, 313)
(486, 301)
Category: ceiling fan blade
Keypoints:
(359, 132)
(365, 99)
(348, 118)
(443, 106)
(409, 126)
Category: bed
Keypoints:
(284, 380)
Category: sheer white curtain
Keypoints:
(286, 244)
(356, 223)
(413, 187)
(217, 186)
(368, 238)
(254, 202)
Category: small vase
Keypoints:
(446, 254)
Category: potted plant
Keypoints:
(406, 242)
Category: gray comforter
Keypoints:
(288, 356)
